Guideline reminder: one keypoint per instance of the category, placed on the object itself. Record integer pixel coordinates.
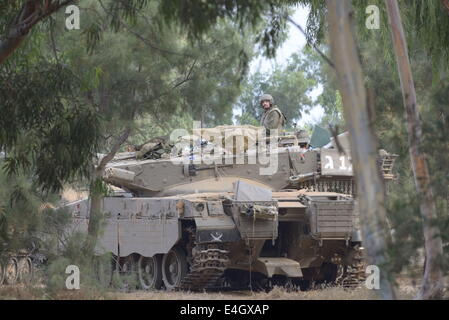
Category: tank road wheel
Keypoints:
(11, 271)
(174, 268)
(150, 272)
(25, 269)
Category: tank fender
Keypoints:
(279, 266)
(216, 229)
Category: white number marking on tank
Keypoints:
(330, 163)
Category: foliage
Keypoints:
(290, 85)
(329, 98)
(426, 25)
(44, 127)
(20, 206)
(30, 223)
(146, 70)
(390, 125)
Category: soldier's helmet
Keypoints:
(266, 97)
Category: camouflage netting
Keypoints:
(234, 139)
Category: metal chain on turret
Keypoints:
(328, 185)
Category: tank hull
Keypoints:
(218, 239)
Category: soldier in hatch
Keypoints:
(272, 117)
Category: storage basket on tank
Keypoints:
(331, 217)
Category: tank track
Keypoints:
(353, 276)
(208, 263)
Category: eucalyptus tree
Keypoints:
(432, 286)
(45, 127)
(19, 17)
(426, 32)
(364, 148)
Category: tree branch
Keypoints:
(326, 58)
(137, 35)
(31, 13)
(118, 143)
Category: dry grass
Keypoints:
(21, 292)
(275, 294)
(278, 293)
(408, 287)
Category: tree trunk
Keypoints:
(8, 46)
(364, 151)
(96, 193)
(432, 282)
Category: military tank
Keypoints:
(16, 267)
(16, 264)
(225, 210)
